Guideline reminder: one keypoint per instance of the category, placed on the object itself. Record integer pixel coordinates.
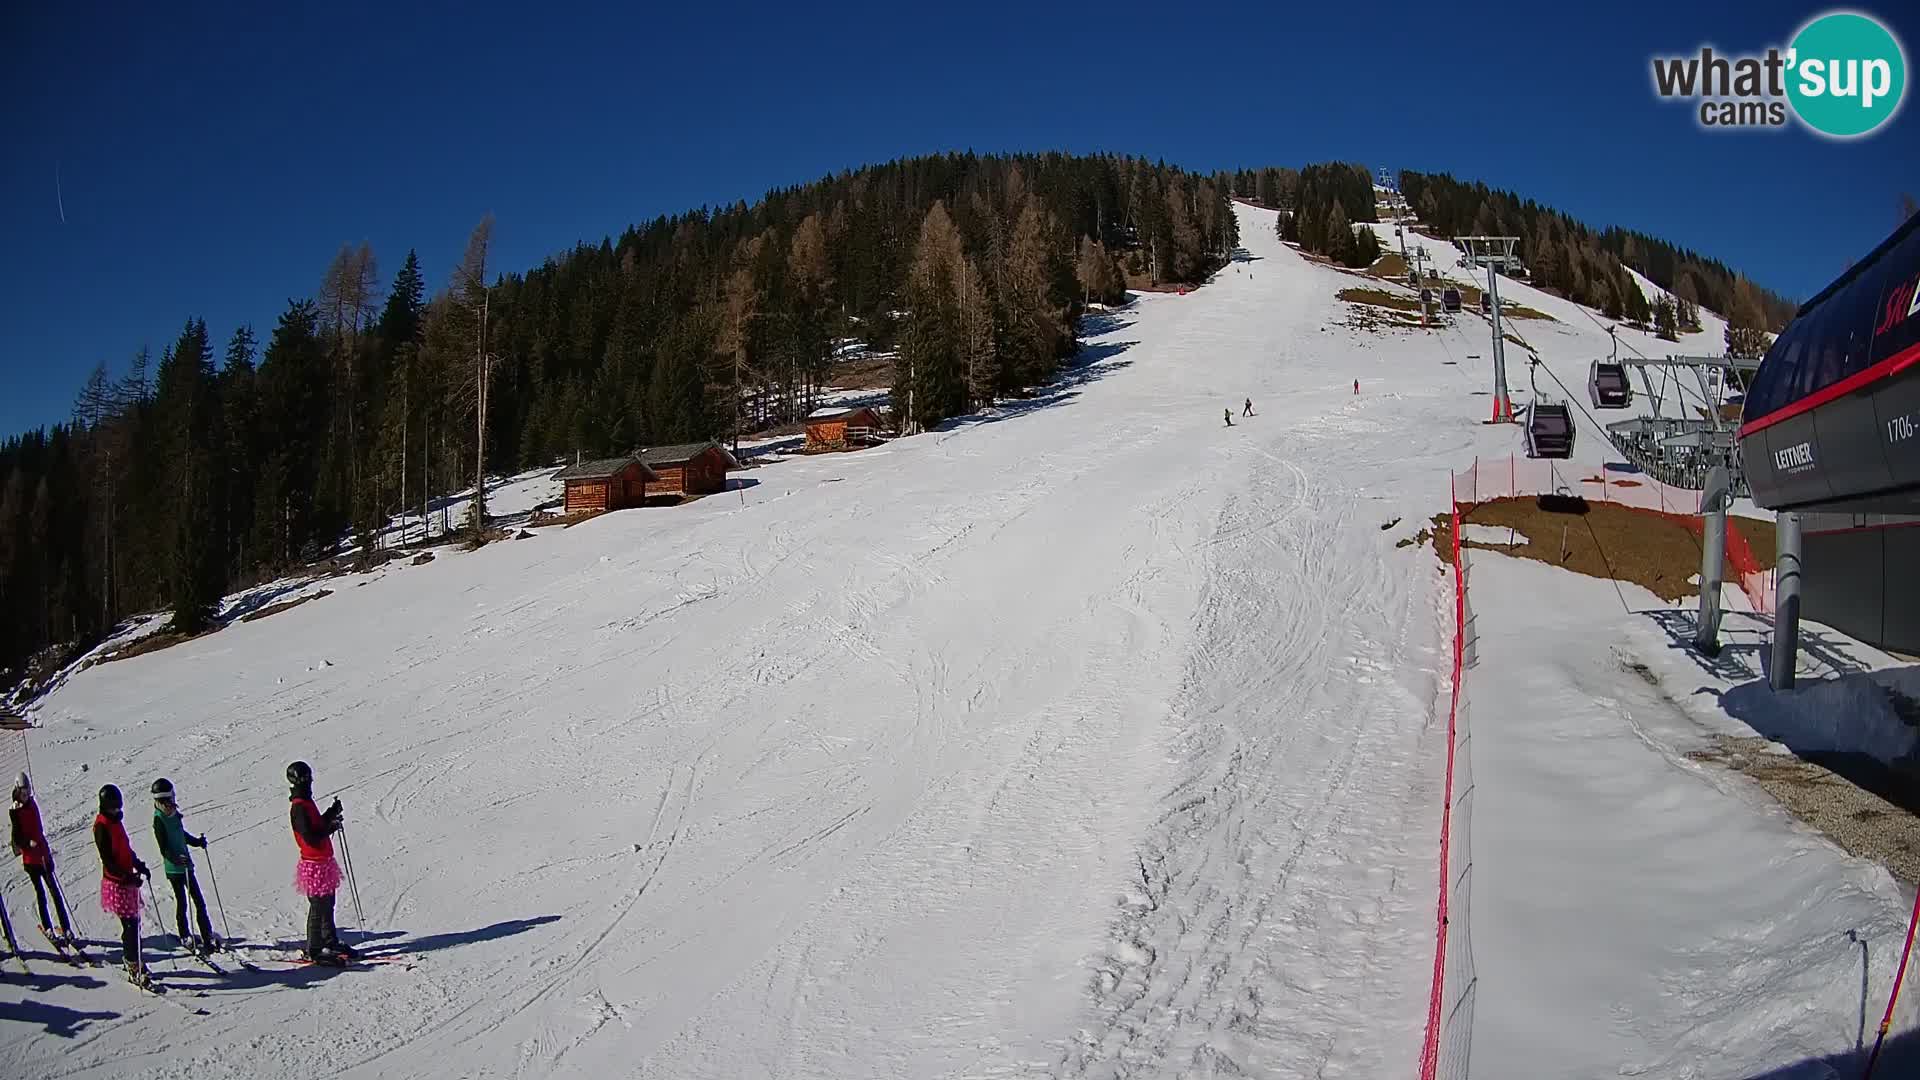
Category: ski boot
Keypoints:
(138, 976)
(324, 958)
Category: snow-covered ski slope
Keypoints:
(1088, 737)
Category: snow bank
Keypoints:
(1854, 713)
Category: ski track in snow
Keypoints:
(1086, 738)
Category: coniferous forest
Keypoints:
(227, 454)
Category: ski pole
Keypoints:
(153, 903)
(214, 880)
(353, 886)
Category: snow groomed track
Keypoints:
(1085, 738)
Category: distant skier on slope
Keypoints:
(170, 832)
(1247, 409)
(120, 874)
(1228, 413)
(30, 843)
(317, 876)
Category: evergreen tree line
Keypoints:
(1321, 207)
(1589, 267)
(372, 396)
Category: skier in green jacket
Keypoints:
(170, 831)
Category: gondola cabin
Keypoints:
(1486, 304)
(1607, 385)
(688, 469)
(842, 429)
(606, 484)
(1450, 299)
(1548, 432)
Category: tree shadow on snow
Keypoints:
(1091, 364)
(57, 1020)
(1899, 1057)
(1111, 321)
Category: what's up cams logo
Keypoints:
(1843, 76)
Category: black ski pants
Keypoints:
(130, 939)
(183, 886)
(320, 931)
(45, 882)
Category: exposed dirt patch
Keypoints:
(1833, 796)
(1379, 298)
(152, 643)
(1390, 265)
(868, 371)
(285, 605)
(1656, 551)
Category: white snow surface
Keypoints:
(1634, 912)
(1085, 737)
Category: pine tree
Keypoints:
(1338, 241)
(1664, 319)
(1746, 334)
(186, 405)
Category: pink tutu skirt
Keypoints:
(119, 901)
(317, 877)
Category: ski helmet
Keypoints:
(299, 774)
(162, 789)
(22, 787)
(109, 799)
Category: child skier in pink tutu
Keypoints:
(121, 872)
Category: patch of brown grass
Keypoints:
(1379, 298)
(284, 605)
(1656, 551)
(1390, 265)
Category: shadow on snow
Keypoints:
(57, 1020)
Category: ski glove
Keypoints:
(334, 814)
(197, 841)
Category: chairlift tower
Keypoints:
(1673, 447)
(1494, 253)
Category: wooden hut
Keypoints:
(688, 469)
(839, 429)
(607, 484)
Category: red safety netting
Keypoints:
(1489, 479)
(1449, 1029)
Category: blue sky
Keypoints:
(211, 161)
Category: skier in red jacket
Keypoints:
(121, 872)
(316, 875)
(30, 843)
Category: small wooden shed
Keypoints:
(838, 429)
(607, 484)
(688, 469)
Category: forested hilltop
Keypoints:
(1584, 264)
(220, 461)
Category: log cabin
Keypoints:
(839, 429)
(607, 484)
(688, 469)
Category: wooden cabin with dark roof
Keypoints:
(842, 429)
(688, 469)
(607, 484)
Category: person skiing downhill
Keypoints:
(1228, 413)
(170, 832)
(316, 875)
(121, 872)
(30, 843)
(1247, 409)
